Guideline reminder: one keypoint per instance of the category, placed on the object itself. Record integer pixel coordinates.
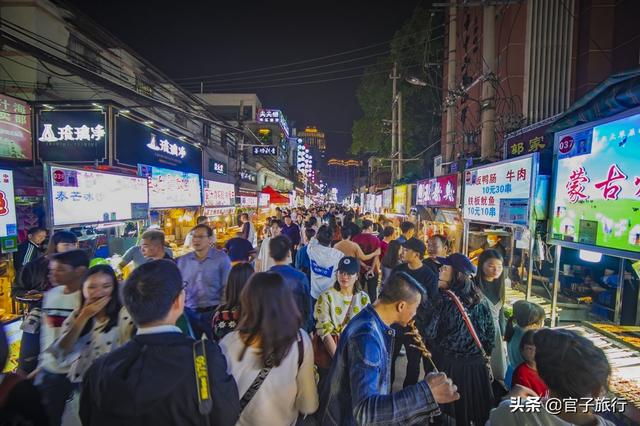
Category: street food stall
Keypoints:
(8, 244)
(501, 203)
(436, 209)
(595, 221)
(401, 205)
(219, 207)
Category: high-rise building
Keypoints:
(314, 139)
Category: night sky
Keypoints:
(189, 39)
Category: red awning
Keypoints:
(275, 196)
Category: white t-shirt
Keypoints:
(324, 266)
(285, 392)
(56, 307)
(264, 256)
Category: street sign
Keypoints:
(265, 150)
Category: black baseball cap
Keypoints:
(459, 262)
(349, 264)
(416, 245)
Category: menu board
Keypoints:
(172, 188)
(248, 199)
(597, 187)
(8, 224)
(378, 203)
(265, 199)
(437, 192)
(218, 194)
(500, 192)
(387, 198)
(87, 196)
(400, 199)
(15, 128)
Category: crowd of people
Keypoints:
(306, 327)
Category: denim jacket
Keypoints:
(358, 388)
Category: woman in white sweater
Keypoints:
(271, 353)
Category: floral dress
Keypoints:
(332, 308)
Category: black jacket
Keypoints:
(34, 276)
(27, 251)
(151, 381)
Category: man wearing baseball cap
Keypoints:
(412, 253)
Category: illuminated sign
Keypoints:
(273, 116)
(8, 223)
(15, 129)
(265, 150)
(437, 192)
(167, 147)
(500, 192)
(72, 136)
(597, 187)
(219, 194)
(400, 199)
(217, 167)
(248, 176)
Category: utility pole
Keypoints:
(447, 151)
(400, 162)
(394, 118)
(488, 101)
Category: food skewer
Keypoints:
(419, 344)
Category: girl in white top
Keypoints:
(268, 338)
(336, 306)
(99, 326)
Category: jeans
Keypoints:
(370, 285)
(201, 322)
(29, 351)
(55, 390)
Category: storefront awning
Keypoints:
(275, 196)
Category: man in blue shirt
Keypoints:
(302, 257)
(204, 274)
(280, 251)
(408, 230)
(239, 249)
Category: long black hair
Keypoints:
(113, 307)
(391, 257)
(490, 287)
(238, 278)
(465, 288)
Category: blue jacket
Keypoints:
(299, 285)
(358, 388)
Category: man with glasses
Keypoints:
(204, 272)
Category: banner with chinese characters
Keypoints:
(597, 187)
(15, 129)
(265, 150)
(136, 143)
(218, 194)
(400, 199)
(387, 198)
(248, 199)
(529, 139)
(264, 199)
(378, 203)
(87, 196)
(438, 192)
(8, 223)
(500, 192)
(72, 136)
(217, 167)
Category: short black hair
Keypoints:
(154, 235)
(309, 233)
(286, 216)
(279, 247)
(150, 291)
(205, 227)
(400, 287)
(388, 231)
(201, 219)
(73, 258)
(324, 235)
(277, 222)
(35, 230)
(406, 226)
(366, 224)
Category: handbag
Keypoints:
(320, 354)
(472, 331)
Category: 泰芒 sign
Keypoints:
(500, 192)
(72, 136)
(15, 129)
(597, 187)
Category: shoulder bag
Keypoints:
(472, 331)
(320, 354)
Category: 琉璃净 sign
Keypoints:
(137, 143)
(265, 150)
(438, 192)
(500, 192)
(72, 136)
(15, 129)
(597, 187)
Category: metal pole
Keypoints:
(447, 150)
(556, 285)
(618, 308)
(532, 242)
(394, 119)
(487, 141)
(400, 162)
(465, 238)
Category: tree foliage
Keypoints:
(415, 48)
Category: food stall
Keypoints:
(8, 245)
(219, 207)
(596, 212)
(436, 209)
(501, 203)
